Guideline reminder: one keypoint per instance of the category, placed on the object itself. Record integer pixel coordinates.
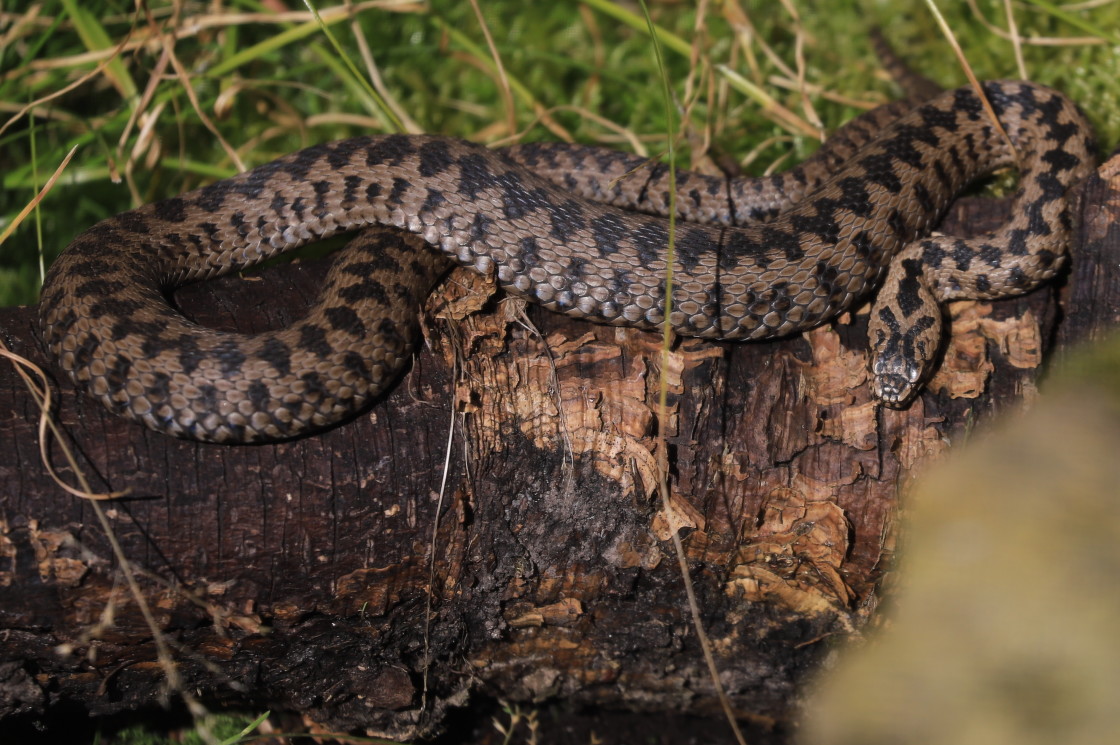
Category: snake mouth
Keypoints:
(893, 389)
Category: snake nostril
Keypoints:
(890, 388)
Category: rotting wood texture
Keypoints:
(295, 576)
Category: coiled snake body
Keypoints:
(554, 227)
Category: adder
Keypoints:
(578, 230)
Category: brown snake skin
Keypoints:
(555, 227)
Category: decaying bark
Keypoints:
(295, 576)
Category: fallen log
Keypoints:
(330, 576)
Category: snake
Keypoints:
(579, 230)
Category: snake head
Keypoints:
(895, 381)
(903, 354)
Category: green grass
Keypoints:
(225, 729)
(585, 71)
(272, 87)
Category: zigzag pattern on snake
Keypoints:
(754, 259)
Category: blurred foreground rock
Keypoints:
(1004, 628)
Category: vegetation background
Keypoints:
(160, 98)
(154, 99)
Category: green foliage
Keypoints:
(223, 729)
(271, 86)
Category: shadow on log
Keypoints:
(295, 576)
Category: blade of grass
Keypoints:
(972, 79)
(503, 80)
(35, 182)
(375, 104)
(374, 75)
(60, 92)
(520, 89)
(38, 197)
(271, 44)
(1073, 20)
(663, 392)
(638, 23)
(1016, 40)
(250, 728)
(785, 117)
(95, 38)
(30, 52)
(355, 75)
(789, 121)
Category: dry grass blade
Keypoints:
(95, 72)
(972, 79)
(663, 394)
(406, 122)
(1016, 40)
(828, 95)
(185, 81)
(432, 547)
(193, 25)
(749, 37)
(625, 134)
(18, 23)
(15, 223)
(799, 62)
(40, 390)
(770, 106)
(146, 97)
(503, 79)
(1040, 41)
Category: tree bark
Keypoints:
(296, 576)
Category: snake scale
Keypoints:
(568, 228)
